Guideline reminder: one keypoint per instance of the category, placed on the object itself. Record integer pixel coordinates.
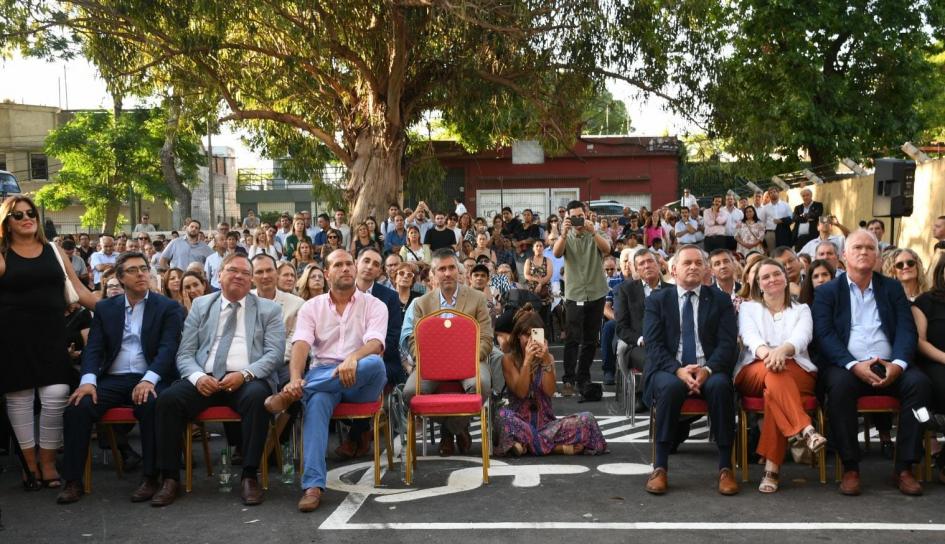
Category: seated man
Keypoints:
(232, 346)
(344, 329)
(629, 300)
(128, 361)
(690, 336)
(448, 294)
(866, 337)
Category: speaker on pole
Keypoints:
(893, 188)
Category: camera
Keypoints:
(577, 222)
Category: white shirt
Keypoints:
(683, 236)
(460, 209)
(803, 228)
(98, 258)
(681, 298)
(810, 247)
(735, 216)
(238, 357)
(770, 212)
(867, 338)
(212, 267)
(758, 327)
(290, 305)
(688, 201)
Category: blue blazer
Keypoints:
(832, 321)
(160, 336)
(716, 322)
(394, 321)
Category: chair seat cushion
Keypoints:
(218, 412)
(878, 402)
(757, 404)
(450, 387)
(448, 403)
(695, 406)
(120, 414)
(355, 409)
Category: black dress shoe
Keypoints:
(71, 492)
(167, 494)
(888, 449)
(251, 492)
(146, 490)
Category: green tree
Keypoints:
(104, 157)
(354, 75)
(832, 78)
(606, 115)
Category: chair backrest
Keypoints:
(447, 347)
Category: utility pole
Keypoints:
(212, 219)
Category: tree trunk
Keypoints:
(375, 180)
(819, 156)
(111, 217)
(182, 195)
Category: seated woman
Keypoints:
(312, 282)
(194, 284)
(929, 314)
(906, 266)
(819, 272)
(528, 424)
(775, 364)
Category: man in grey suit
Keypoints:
(232, 346)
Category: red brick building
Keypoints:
(635, 171)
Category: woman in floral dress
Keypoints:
(528, 424)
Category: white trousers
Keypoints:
(20, 411)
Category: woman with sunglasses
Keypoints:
(403, 282)
(332, 242)
(111, 287)
(906, 266)
(311, 283)
(34, 337)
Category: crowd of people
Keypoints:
(747, 298)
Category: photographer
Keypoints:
(583, 249)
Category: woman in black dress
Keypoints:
(33, 335)
(929, 313)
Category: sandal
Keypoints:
(769, 482)
(815, 441)
(518, 450)
(31, 482)
(572, 449)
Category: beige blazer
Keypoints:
(468, 301)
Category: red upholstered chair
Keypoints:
(218, 414)
(692, 406)
(374, 411)
(112, 416)
(757, 405)
(447, 350)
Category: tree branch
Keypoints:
(292, 120)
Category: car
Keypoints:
(607, 208)
(8, 185)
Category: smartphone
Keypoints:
(538, 335)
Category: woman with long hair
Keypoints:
(528, 424)
(652, 230)
(775, 365)
(311, 283)
(111, 287)
(750, 233)
(362, 239)
(818, 273)
(34, 336)
(467, 231)
(171, 284)
(929, 314)
(303, 257)
(906, 266)
(263, 246)
(414, 250)
(298, 234)
(286, 278)
(375, 231)
(193, 284)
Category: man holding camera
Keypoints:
(585, 287)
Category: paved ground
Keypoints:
(557, 499)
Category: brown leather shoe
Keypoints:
(251, 492)
(728, 485)
(908, 484)
(850, 483)
(278, 403)
(657, 482)
(365, 444)
(167, 494)
(464, 441)
(446, 444)
(147, 489)
(71, 492)
(347, 449)
(310, 500)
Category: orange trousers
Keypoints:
(784, 413)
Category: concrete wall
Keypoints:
(851, 200)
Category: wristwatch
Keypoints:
(247, 375)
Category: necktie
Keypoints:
(688, 331)
(223, 348)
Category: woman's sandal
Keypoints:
(53, 483)
(815, 441)
(31, 482)
(572, 449)
(517, 449)
(769, 482)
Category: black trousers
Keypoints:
(670, 392)
(584, 325)
(715, 242)
(182, 402)
(936, 375)
(802, 240)
(112, 391)
(842, 389)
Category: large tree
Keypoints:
(352, 76)
(833, 78)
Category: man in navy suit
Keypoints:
(369, 267)
(129, 360)
(866, 336)
(690, 336)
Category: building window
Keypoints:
(3, 161)
(219, 165)
(39, 166)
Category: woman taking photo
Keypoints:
(403, 282)
(193, 285)
(414, 250)
(312, 282)
(171, 285)
(750, 233)
(332, 242)
(303, 257)
(775, 365)
(906, 266)
(33, 335)
(528, 424)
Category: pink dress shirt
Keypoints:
(334, 337)
(715, 222)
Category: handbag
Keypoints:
(68, 292)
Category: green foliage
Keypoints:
(932, 105)
(605, 115)
(833, 78)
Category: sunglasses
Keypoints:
(905, 264)
(18, 215)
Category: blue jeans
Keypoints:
(608, 354)
(322, 392)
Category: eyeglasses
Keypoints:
(142, 238)
(905, 264)
(332, 237)
(237, 271)
(18, 215)
(110, 285)
(405, 274)
(143, 269)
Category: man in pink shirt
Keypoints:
(344, 330)
(715, 219)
